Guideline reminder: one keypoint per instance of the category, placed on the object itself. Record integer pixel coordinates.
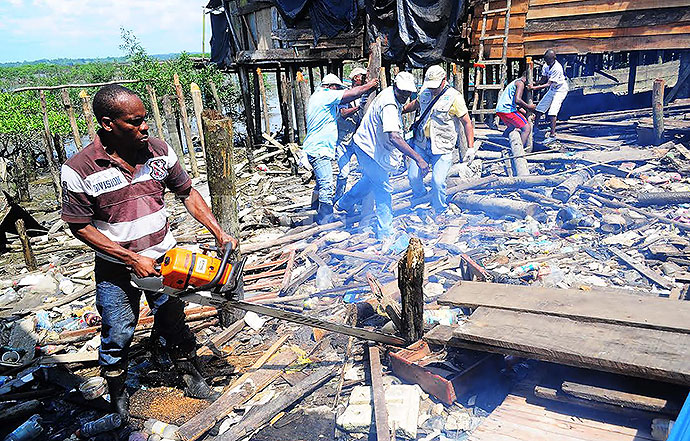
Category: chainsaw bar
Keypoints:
(293, 317)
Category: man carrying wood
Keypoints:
(322, 135)
(437, 134)
(553, 77)
(512, 109)
(379, 145)
(113, 201)
(349, 117)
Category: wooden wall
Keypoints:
(585, 26)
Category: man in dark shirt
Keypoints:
(113, 201)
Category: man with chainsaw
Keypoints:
(113, 201)
(443, 121)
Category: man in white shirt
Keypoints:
(379, 146)
(554, 78)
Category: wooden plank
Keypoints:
(218, 341)
(645, 353)
(516, 419)
(643, 269)
(575, 46)
(568, 8)
(383, 432)
(625, 19)
(75, 357)
(584, 34)
(622, 309)
(620, 398)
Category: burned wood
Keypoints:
(663, 198)
(566, 189)
(29, 257)
(620, 398)
(498, 207)
(410, 282)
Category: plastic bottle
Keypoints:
(165, 430)
(104, 424)
(31, 429)
(43, 320)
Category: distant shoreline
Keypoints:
(73, 61)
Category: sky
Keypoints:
(46, 29)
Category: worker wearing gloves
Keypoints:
(113, 201)
(553, 77)
(349, 117)
(322, 135)
(437, 134)
(379, 146)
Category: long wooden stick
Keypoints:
(67, 103)
(88, 116)
(65, 86)
(185, 126)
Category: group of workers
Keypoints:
(113, 190)
(338, 128)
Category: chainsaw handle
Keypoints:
(219, 275)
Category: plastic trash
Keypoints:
(9, 295)
(444, 316)
(65, 285)
(554, 276)
(106, 423)
(165, 430)
(43, 320)
(324, 278)
(31, 429)
(570, 218)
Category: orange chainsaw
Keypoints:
(206, 280)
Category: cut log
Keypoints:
(568, 187)
(410, 282)
(517, 150)
(663, 198)
(499, 207)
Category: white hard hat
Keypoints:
(357, 71)
(434, 77)
(330, 80)
(405, 81)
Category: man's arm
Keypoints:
(356, 92)
(141, 265)
(469, 133)
(405, 148)
(519, 89)
(410, 107)
(197, 207)
(347, 111)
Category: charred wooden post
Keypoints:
(243, 76)
(634, 61)
(410, 282)
(285, 99)
(170, 125)
(264, 101)
(216, 97)
(88, 115)
(518, 152)
(299, 104)
(198, 103)
(568, 187)
(185, 126)
(373, 68)
(67, 104)
(658, 110)
(59, 149)
(52, 169)
(29, 257)
(220, 169)
(306, 94)
(156, 111)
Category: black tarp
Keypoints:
(220, 34)
(328, 17)
(416, 32)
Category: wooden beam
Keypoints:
(541, 9)
(624, 19)
(642, 269)
(88, 116)
(620, 398)
(629, 310)
(645, 353)
(383, 432)
(587, 46)
(198, 104)
(153, 100)
(618, 32)
(185, 125)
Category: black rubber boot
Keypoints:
(196, 386)
(119, 398)
(325, 214)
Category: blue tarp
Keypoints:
(681, 428)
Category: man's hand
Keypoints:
(372, 84)
(531, 107)
(224, 240)
(423, 166)
(143, 266)
(470, 155)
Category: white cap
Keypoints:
(405, 81)
(331, 79)
(434, 77)
(357, 71)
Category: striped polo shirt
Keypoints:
(126, 207)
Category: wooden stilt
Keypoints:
(88, 116)
(67, 104)
(311, 79)
(257, 107)
(156, 111)
(243, 76)
(264, 101)
(658, 110)
(55, 176)
(59, 149)
(299, 105)
(185, 126)
(173, 136)
(285, 98)
(410, 282)
(29, 257)
(198, 103)
(216, 97)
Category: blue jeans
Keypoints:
(323, 171)
(117, 302)
(440, 166)
(374, 180)
(345, 153)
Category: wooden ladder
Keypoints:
(480, 84)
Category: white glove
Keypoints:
(469, 155)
